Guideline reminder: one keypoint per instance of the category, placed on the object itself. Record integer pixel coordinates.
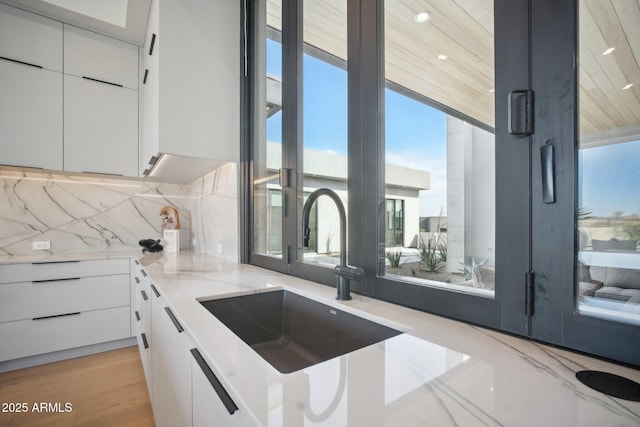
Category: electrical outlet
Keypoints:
(42, 245)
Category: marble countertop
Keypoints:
(438, 372)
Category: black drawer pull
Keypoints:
(174, 320)
(146, 74)
(144, 273)
(144, 340)
(55, 280)
(137, 316)
(56, 315)
(155, 291)
(215, 383)
(144, 295)
(153, 43)
(136, 279)
(102, 81)
(21, 62)
(136, 261)
(51, 262)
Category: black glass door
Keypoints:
(584, 176)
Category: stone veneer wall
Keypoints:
(90, 214)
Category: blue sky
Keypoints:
(415, 138)
(414, 133)
(610, 179)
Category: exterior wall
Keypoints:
(323, 169)
(470, 194)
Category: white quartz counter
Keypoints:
(439, 372)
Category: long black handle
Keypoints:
(102, 81)
(548, 173)
(57, 315)
(153, 43)
(21, 62)
(215, 383)
(52, 262)
(155, 291)
(174, 320)
(55, 280)
(137, 316)
(144, 295)
(144, 340)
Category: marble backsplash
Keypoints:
(90, 214)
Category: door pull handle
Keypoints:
(548, 173)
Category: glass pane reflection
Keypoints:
(608, 211)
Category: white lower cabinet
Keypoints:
(184, 389)
(171, 367)
(212, 404)
(141, 317)
(47, 307)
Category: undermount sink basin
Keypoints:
(292, 332)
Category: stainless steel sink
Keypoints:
(292, 332)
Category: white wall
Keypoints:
(470, 193)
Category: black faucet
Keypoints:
(344, 272)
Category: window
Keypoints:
(417, 186)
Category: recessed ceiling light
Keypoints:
(628, 86)
(442, 57)
(422, 17)
(608, 51)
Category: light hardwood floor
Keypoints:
(105, 389)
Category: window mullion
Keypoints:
(292, 46)
(366, 138)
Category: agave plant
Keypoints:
(394, 256)
(429, 256)
(469, 265)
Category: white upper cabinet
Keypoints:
(30, 116)
(91, 55)
(191, 100)
(30, 38)
(100, 127)
(31, 90)
(69, 97)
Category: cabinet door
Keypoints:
(30, 38)
(171, 400)
(30, 116)
(208, 406)
(100, 128)
(99, 57)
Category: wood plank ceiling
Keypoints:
(463, 31)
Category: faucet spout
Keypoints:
(344, 272)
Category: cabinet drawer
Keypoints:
(96, 56)
(30, 337)
(11, 273)
(28, 300)
(30, 38)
